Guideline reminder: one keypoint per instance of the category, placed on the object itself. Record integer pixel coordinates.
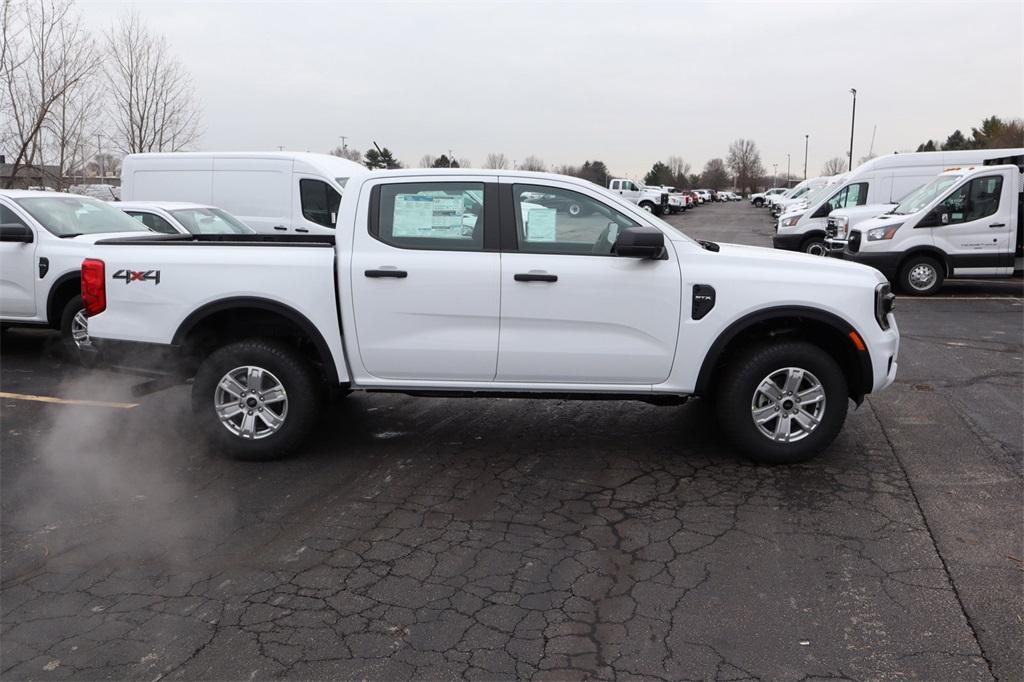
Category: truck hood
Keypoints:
(859, 213)
(882, 221)
(803, 266)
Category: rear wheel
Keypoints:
(921, 276)
(74, 333)
(647, 206)
(783, 402)
(759, 202)
(256, 399)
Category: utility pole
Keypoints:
(853, 119)
(343, 138)
(775, 175)
(451, 158)
(280, 147)
(807, 140)
(99, 155)
(788, 160)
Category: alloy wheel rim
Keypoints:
(816, 249)
(788, 405)
(922, 276)
(251, 402)
(80, 330)
(574, 210)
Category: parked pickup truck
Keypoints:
(456, 283)
(651, 199)
(43, 238)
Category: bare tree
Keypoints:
(427, 161)
(834, 166)
(154, 106)
(532, 163)
(464, 162)
(715, 175)
(745, 162)
(347, 153)
(45, 55)
(496, 160)
(70, 127)
(679, 169)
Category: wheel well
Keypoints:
(934, 254)
(62, 291)
(813, 234)
(205, 331)
(820, 329)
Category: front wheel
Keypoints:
(921, 276)
(256, 399)
(783, 402)
(814, 246)
(758, 202)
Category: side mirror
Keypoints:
(13, 232)
(640, 242)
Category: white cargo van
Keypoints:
(880, 183)
(965, 223)
(271, 192)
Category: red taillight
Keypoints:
(94, 287)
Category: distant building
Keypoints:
(30, 176)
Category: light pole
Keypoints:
(344, 142)
(788, 160)
(775, 174)
(853, 119)
(807, 139)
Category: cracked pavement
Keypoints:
(496, 538)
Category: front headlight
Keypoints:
(885, 302)
(880, 233)
(792, 220)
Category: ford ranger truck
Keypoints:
(456, 282)
(43, 238)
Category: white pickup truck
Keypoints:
(458, 283)
(43, 238)
(651, 199)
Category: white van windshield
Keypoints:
(924, 195)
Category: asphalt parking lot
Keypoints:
(439, 538)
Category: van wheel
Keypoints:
(814, 246)
(921, 276)
(256, 399)
(782, 402)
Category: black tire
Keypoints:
(81, 350)
(759, 202)
(647, 206)
(304, 397)
(911, 273)
(814, 246)
(575, 210)
(736, 392)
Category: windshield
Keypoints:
(210, 221)
(71, 215)
(924, 195)
(816, 194)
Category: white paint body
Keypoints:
(461, 322)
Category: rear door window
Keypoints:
(443, 216)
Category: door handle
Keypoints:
(998, 225)
(397, 274)
(535, 277)
(280, 227)
(299, 229)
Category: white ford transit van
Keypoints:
(880, 182)
(271, 192)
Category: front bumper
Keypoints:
(886, 263)
(788, 242)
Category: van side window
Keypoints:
(319, 202)
(975, 200)
(851, 195)
(442, 216)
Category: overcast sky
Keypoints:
(626, 83)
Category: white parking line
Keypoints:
(66, 401)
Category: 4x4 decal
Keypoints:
(130, 276)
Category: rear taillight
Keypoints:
(94, 287)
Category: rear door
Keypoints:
(17, 269)
(975, 225)
(571, 312)
(425, 280)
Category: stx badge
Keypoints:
(130, 276)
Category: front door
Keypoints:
(571, 311)
(315, 204)
(974, 225)
(18, 271)
(424, 281)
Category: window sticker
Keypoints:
(413, 215)
(540, 224)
